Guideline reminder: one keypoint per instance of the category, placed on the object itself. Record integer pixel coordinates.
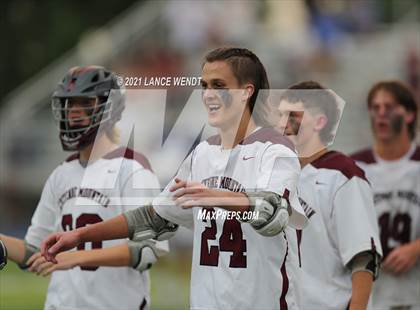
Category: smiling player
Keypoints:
(236, 265)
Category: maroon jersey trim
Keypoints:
(340, 162)
(129, 154)
(416, 154)
(299, 242)
(73, 157)
(285, 286)
(143, 304)
(214, 140)
(365, 156)
(261, 135)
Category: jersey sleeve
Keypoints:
(45, 219)
(166, 208)
(354, 219)
(279, 173)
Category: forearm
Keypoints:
(115, 228)
(232, 201)
(416, 247)
(361, 288)
(112, 257)
(15, 248)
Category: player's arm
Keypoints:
(115, 228)
(364, 268)
(354, 221)
(138, 255)
(139, 224)
(272, 209)
(112, 256)
(361, 288)
(279, 170)
(15, 248)
(42, 223)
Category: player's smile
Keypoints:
(213, 108)
(213, 105)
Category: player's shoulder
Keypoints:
(268, 135)
(341, 163)
(130, 155)
(262, 135)
(365, 156)
(68, 164)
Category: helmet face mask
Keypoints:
(88, 100)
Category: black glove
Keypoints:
(3, 255)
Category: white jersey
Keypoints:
(342, 223)
(75, 196)
(234, 267)
(396, 186)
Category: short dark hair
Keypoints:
(402, 94)
(247, 68)
(324, 101)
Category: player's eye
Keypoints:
(219, 86)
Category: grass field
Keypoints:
(170, 286)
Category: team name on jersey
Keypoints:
(223, 182)
(412, 197)
(306, 208)
(89, 193)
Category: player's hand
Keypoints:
(187, 194)
(59, 242)
(402, 259)
(39, 265)
(194, 194)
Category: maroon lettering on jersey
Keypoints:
(365, 156)
(416, 154)
(263, 135)
(340, 162)
(130, 154)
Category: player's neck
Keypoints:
(102, 146)
(307, 160)
(231, 136)
(311, 150)
(393, 149)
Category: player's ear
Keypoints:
(320, 122)
(247, 92)
(409, 117)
